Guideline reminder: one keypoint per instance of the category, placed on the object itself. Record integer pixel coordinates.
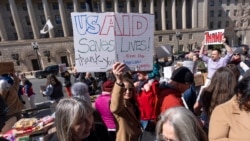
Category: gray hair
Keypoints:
(69, 111)
(186, 125)
(80, 89)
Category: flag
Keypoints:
(47, 27)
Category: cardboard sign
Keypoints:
(101, 39)
(199, 80)
(6, 67)
(163, 51)
(214, 37)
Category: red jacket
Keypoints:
(147, 101)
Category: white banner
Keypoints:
(214, 37)
(100, 39)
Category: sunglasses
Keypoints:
(129, 89)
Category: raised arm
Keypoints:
(228, 48)
(202, 48)
(116, 104)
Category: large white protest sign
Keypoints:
(100, 39)
(214, 37)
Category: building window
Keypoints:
(211, 25)
(58, 19)
(156, 16)
(69, 5)
(82, 5)
(211, 13)
(7, 7)
(248, 22)
(220, 2)
(43, 20)
(242, 12)
(166, 3)
(60, 32)
(155, 3)
(24, 6)
(31, 35)
(235, 2)
(190, 36)
(241, 23)
(132, 4)
(219, 24)
(55, 6)
(235, 12)
(219, 13)
(144, 3)
(156, 27)
(109, 4)
(27, 20)
(15, 36)
(11, 21)
(211, 2)
(227, 24)
(228, 13)
(170, 37)
(40, 6)
(228, 2)
(235, 23)
(160, 39)
(243, 2)
(121, 4)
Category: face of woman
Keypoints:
(52, 81)
(81, 130)
(128, 93)
(168, 133)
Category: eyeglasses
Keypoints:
(163, 138)
(129, 89)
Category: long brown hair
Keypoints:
(220, 90)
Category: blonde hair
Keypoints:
(69, 111)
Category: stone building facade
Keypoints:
(22, 20)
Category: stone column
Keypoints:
(33, 20)
(16, 20)
(3, 33)
(63, 18)
(103, 6)
(173, 14)
(140, 6)
(128, 6)
(152, 8)
(205, 14)
(76, 6)
(116, 6)
(194, 14)
(163, 15)
(184, 16)
(47, 16)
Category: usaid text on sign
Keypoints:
(100, 39)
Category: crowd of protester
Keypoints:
(133, 103)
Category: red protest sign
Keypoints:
(214, 37)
